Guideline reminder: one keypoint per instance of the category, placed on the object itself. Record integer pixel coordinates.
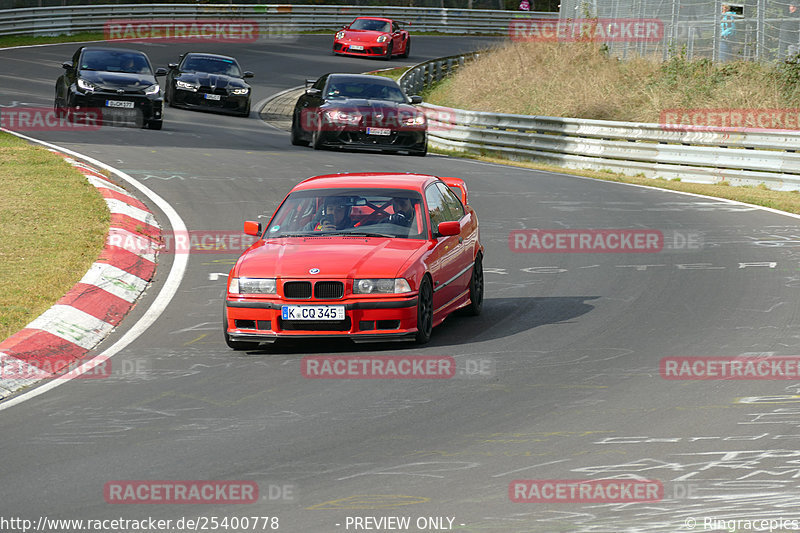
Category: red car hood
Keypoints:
(335, 257)
(362, 36)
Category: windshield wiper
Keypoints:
(363, 234)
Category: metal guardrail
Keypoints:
(272, 18)
(697, 154)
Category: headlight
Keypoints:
(340, 35)
(253, 286)
(186, 86)
(414, 121)
(380, 286)
(86, 86)
(240, 91)
(343, 117)
(153, 89)
(383, 38)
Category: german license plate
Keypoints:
(356, 47)
(119, 103)
(312, 312)
(379, 131)
(212, 97)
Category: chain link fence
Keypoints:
(758, 30)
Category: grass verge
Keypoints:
(54, 227)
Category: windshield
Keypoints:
(344, 88)
(115, 61)
(371, 24)
(358, 212)
(212, 65)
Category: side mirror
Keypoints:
(415, 99)
(66, 65)
(252, 228)
(161, 71)
(173, 65)
(446, 229)
(247, 74)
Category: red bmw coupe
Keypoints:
(365, 256)
(373, 37)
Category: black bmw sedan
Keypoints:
(208, 82)
(116, 83)
(359, 111)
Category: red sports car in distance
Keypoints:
(365, 256)
(373, 37)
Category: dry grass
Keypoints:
(53, 228)
(578, 80)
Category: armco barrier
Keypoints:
(695, 154)
(273, 19)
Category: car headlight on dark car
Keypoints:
(383, 38)
(342, 117)
(86, 86)
(381, 286)
(186, 86)
(243, 90)
(153, 89)
(253, 286)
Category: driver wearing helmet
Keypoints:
(335, 215)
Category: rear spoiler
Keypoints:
(457, 183)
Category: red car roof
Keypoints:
(387, 180)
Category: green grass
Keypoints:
(54, 227)
(23, 40)
(393, 73)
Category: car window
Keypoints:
(344, 88)
(437, 206)
(211, 65)
(371, 25)
(115, 61)
(453, 203)
(320, 83)
(350, 211)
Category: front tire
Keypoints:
(155, 124)
(297, 140)
(424, 311)
(388, 55)
(316, 140)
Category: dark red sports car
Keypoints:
(365, 256)
(373, 37)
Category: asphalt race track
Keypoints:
(559, 377)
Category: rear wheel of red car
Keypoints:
(424, 311)
(388, 55)
(408, 48)
(475, 289)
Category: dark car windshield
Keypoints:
(393, 213)
(211, 65)
(115, 61)
(371, 24)
(351, 88)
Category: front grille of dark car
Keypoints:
(297, 290)
(315, 325)
(210, 90)
(328, 290)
